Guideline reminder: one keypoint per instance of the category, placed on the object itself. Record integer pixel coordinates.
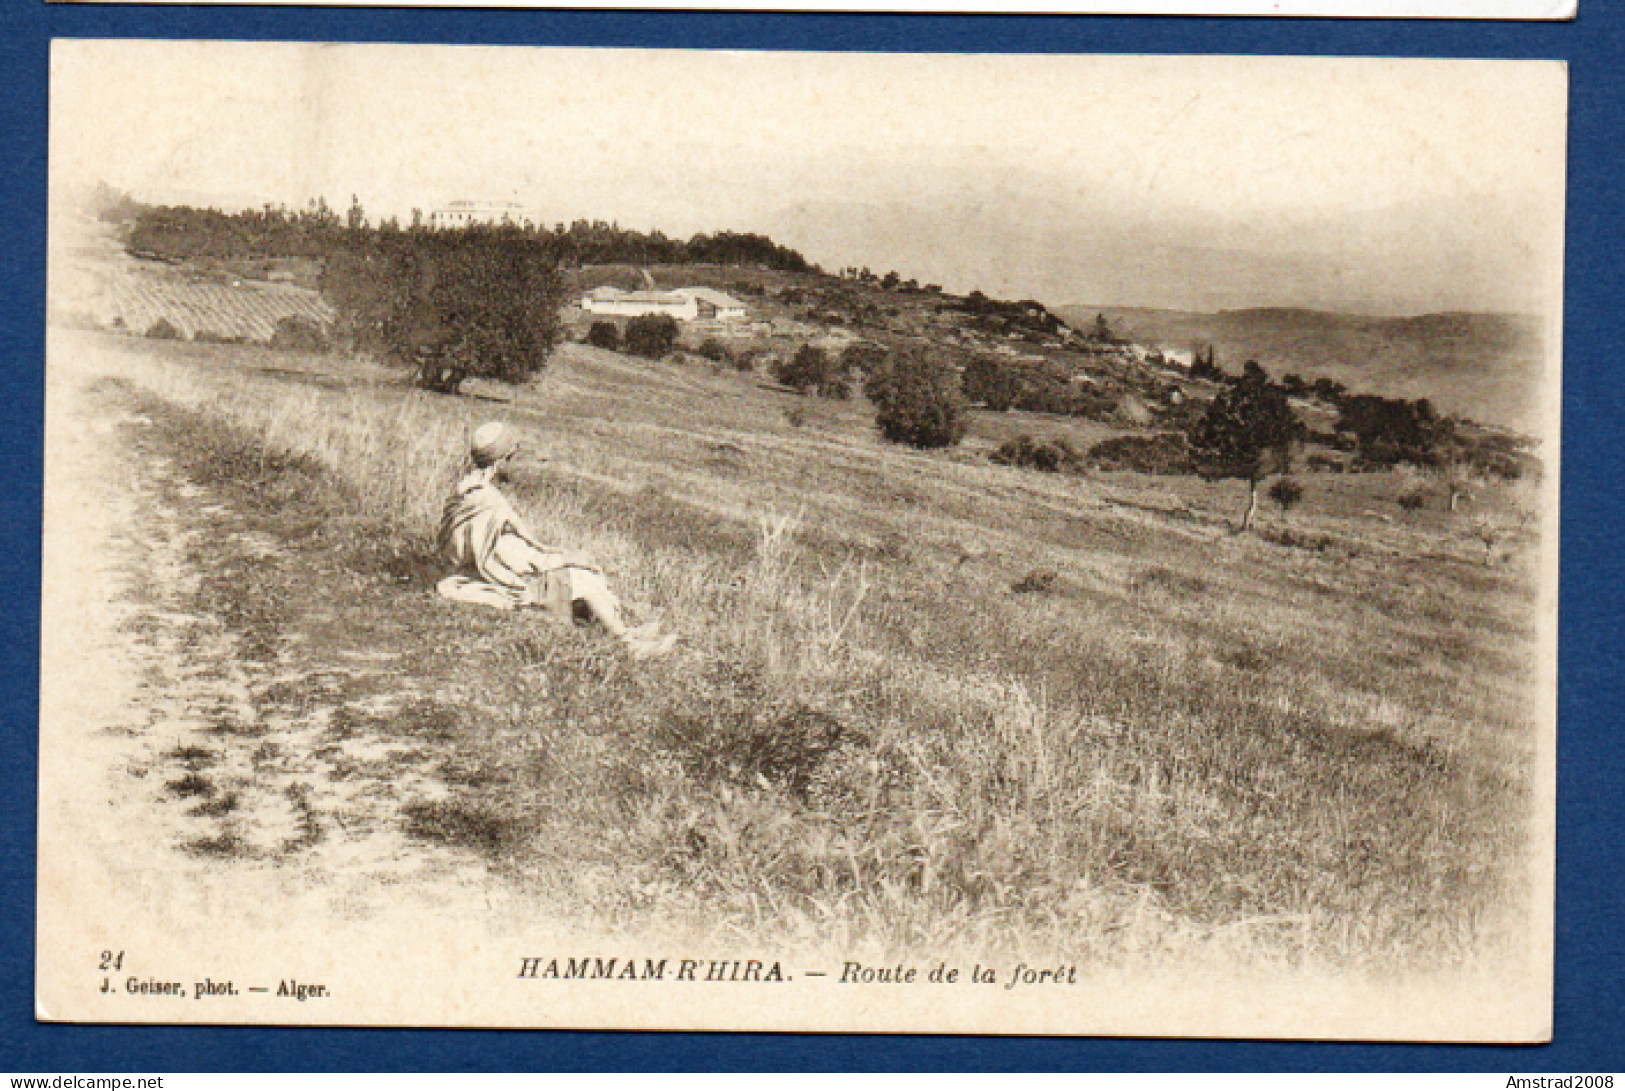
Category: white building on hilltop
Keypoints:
(683, 304)
(710, 303)
(475, 214)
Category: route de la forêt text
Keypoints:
(765, 971)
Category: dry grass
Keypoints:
(1188, 745)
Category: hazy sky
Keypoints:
(1178, 181)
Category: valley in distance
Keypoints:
(1148, 643)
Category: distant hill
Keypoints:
(1486, 366)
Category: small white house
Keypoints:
(711, 303)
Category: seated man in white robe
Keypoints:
(501, 563)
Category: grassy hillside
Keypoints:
(1486, 366)
(923, 702)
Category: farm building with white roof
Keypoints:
(684, 304)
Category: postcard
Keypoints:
(1357, 9)
(800, 542)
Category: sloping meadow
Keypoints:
(930, 701)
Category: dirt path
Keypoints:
(216, 739)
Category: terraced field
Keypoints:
(123, 293)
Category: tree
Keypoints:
(466, 304)
(1466, 462)
(356, 218)
(483, 304)
(1390, 430)
(1328, 391)
(650, 335)
(604, 335)
(802, 371)
(917, 400)
(1247, 433)
(1206, 367)
(369, 287)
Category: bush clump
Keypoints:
(1286, 492)
(651, 335)
(1283, 536)
(917, 400)
(1048, 455)
(989, 382)
(1164, 453)
(295, 333)
(862, 357)
(1322, 464)
(1043, 395)
(812, 369)
(604, 335)
(1037, 582)
(165, 330)
(210, 337)
(1413, 500)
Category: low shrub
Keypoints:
(1413, 499)
(863, 357)
(1286, 492)
(989, 382)
(1322, 464)
(294, 333)
(1163, 453)
(165, 330)
(811, 369)
(1184, 583)
(1037, 582)
(1043, 396)
(714, 350)
(650, 335)
(1048, 455)
(1284, 536)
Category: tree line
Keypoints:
(452, 304)
(180, 232)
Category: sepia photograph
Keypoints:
(837, 542)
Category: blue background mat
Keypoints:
(1590, 994)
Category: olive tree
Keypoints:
(1246, 433)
